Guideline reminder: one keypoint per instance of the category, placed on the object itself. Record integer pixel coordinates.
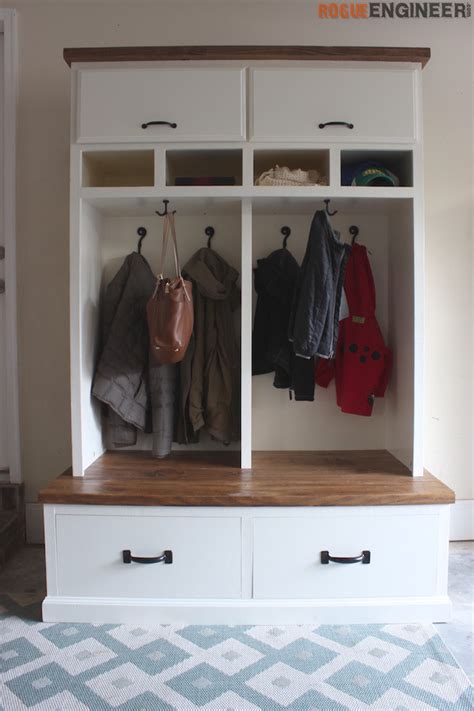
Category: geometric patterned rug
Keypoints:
(69, 667)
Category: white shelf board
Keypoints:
(126, 205)
(226, 200)
(328, 191)
(308, 205)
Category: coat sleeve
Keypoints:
(196, 390)
(324, 371)
(313, 303)
(161, 380)
(383, 382)
(120, 379)
(120, 433)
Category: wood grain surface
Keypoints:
(246, 52)
(342, 478)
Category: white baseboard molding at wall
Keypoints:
(246, 612)
(462, 521)
(34, 523)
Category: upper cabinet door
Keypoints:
(190, 104)
(333, 105)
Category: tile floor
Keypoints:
(23, 579)
(458, 634)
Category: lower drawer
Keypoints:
(206, 556)
(403, 549)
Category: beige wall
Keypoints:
(46, 26)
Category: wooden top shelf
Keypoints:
(248, 52)
(343, 478)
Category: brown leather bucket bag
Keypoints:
(170, 312)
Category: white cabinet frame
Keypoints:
(85, 224)
(247, 608)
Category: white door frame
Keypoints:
(8, 27)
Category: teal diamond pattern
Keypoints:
(359, 681)
(17, 653)
(201, 684)
(73, 667)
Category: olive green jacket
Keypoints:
(209, 392)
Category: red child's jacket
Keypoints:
(362, 362)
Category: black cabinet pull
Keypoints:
(363, 558)
(159, 123)
(166, 558)
(336, 123)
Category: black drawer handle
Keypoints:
(159, 123)
(166, 558)
(336, 123)
(363, 558)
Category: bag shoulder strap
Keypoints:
(164, 245)
(175, 246)
(168, 225)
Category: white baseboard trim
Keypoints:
(256, 612)
(462, 521)
(34, 523)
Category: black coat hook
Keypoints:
(162, 214)
(327, 201)
(210, 233)
(286, 232)
(354, 231)
(141, 232)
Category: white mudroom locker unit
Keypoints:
(314, 515)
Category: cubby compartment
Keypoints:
(397, 162)
(112, 169)
(197, 167)
(108, 233)
(312, 166)
(244, 233)
(280, 423)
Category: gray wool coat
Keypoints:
(139, 395)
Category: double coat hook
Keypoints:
(162, 214)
